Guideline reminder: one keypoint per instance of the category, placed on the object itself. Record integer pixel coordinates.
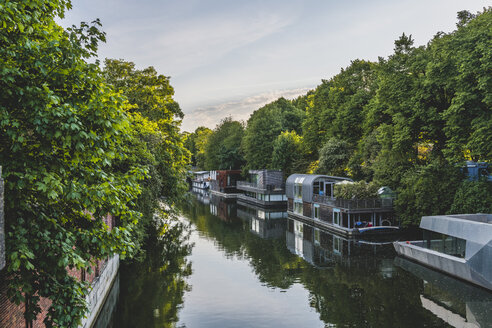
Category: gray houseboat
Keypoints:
(264, 188)
(311, 199)
(459, 245)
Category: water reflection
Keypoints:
(345, 282)
(455, 302)
(151, 291)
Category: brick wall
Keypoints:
(2, 233)
(12, 315)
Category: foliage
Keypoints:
(263, 127)
(222, 150)
(195, 143)
(288, 153)
(333, 157)
(472, 197)
(356, 190)
(68, 158)
(157, 118)
(427, 190)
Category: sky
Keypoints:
(229, 58)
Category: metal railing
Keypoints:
(247, 184)
(353, 204)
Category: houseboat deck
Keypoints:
(346, 232)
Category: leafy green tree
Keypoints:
(67, 153)
(222, 150)
(472, 197)
(159, 116)
(288, 153)
(263, 127)
(427, 190)
(333, 158)
(151, 96)
(196, 143)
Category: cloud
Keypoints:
(239, 109)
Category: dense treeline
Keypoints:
(76, 143)
(408, 121)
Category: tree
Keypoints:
(427, 190)
(472, 197)
(263, 127)
(196, 143)
(67, 153)
(333, 157)
(151, 96)
(223, 146)
(288, 153)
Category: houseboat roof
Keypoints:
(476, 228)
(307, 181)
(201, 172)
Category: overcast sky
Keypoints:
(229, 57)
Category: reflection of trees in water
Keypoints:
(152, 290)
(362, 289)
(271, 261)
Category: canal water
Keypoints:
(227, 264)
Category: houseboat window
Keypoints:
(228, 180)
(319, 188)
(276, 197)
(298, 208)
(444, 244)
(298, 190)
(328, 187)
(316, 236)
(336, 218)
(316, 211)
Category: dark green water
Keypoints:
(239, 267)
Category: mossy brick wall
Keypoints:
(2, 231)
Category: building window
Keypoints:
(336, 217)
(298, 187)
(298, 208)
(316, 211)
(319, 188)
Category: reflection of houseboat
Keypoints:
(223, 182)
(322, 248)
(264, 188)
(459, 245)
(222, 207)
(202, 195)
(201, 179)
(264, 222)
(311, 198)
(455, 302)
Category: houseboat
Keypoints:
(311, 199)
(223, 183)
(201, 180)
(459, 245)
(264, 188)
